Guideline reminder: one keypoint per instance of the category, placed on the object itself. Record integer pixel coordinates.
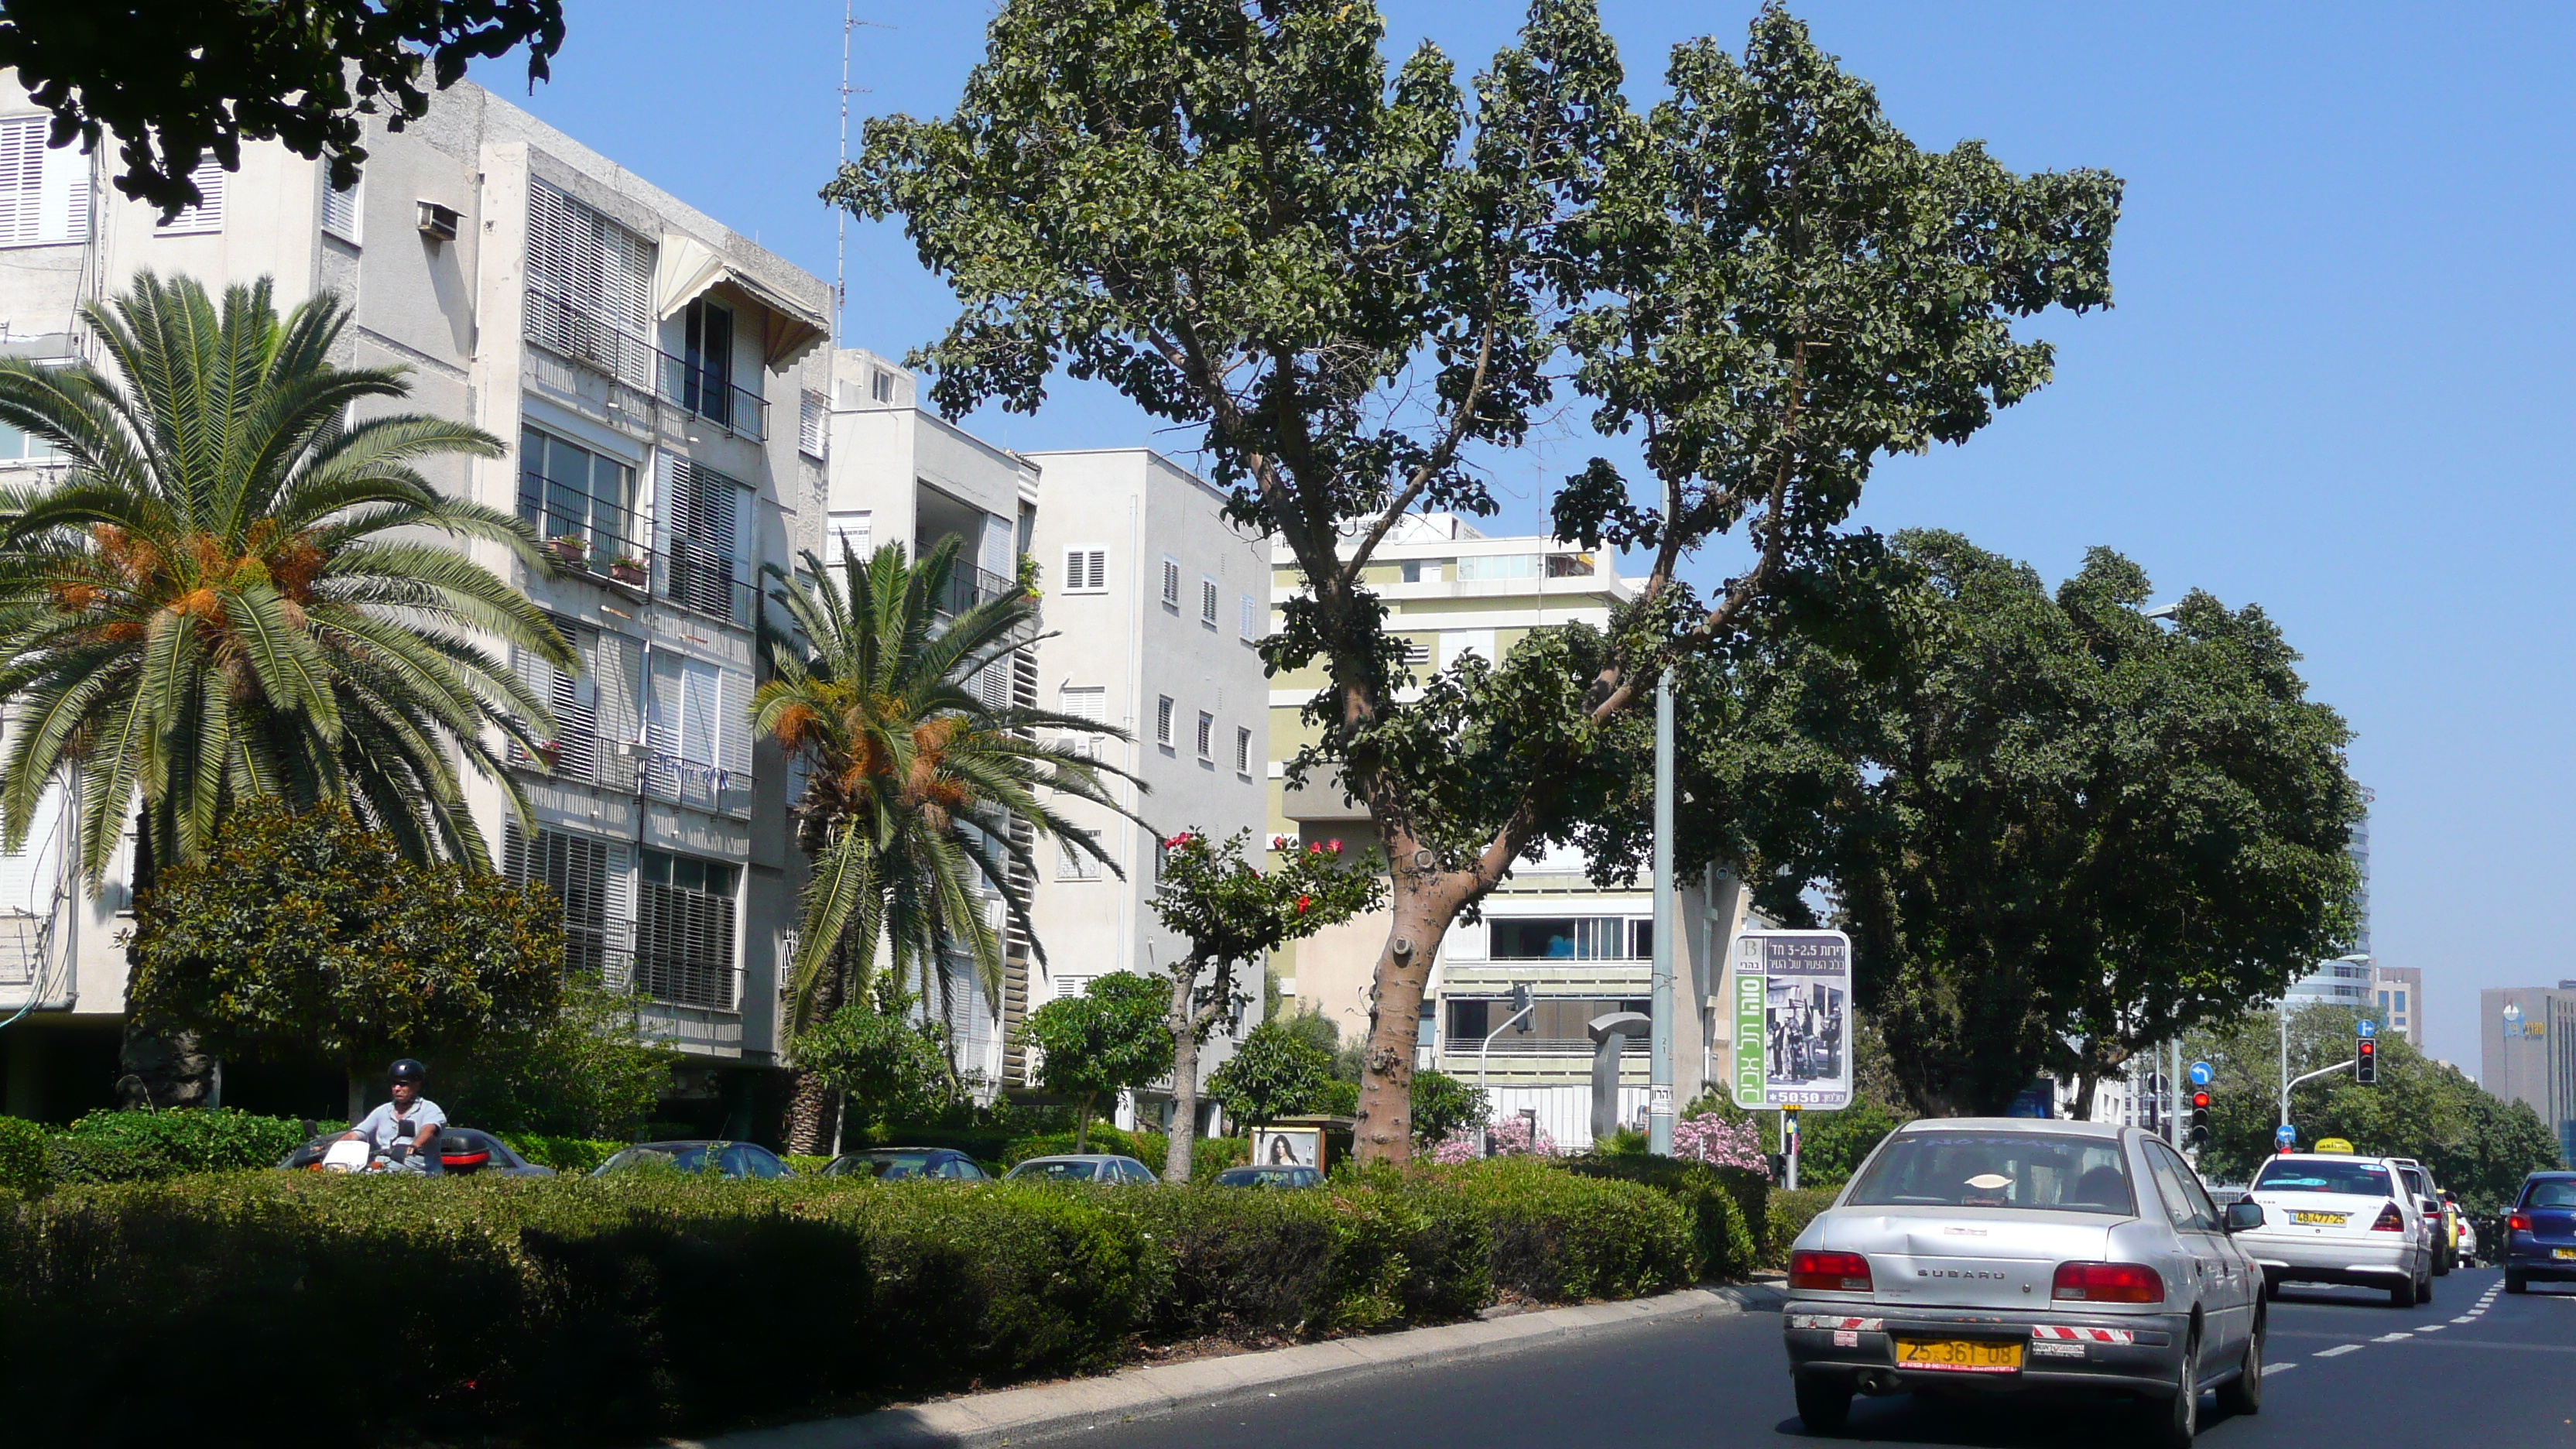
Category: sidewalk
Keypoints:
(1014, 1416)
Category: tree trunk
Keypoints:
(814, 1109)
(1424, 904)
(157, 1070)
(1082, 1126)
(1185, 1073)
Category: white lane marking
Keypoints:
(2278, 1368)
(2433, 1328)
(2390, 1338)
(2464, 1318)
(2338, 1348)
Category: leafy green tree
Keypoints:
(1443, 1105)
(1276, 1072)
(587, 1070)
(886, 1066)
(174, 79)
(232, 593)
(1111, 1038)
(2058, 830)
(919, 794)
(1233, 914)
(306, 932)
(1354, 280)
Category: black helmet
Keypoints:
(410, 1071)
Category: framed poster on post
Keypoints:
(1793, 1019)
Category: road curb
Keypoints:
(1015, 1416)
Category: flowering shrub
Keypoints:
(1720, 1143)
(1511, 1137)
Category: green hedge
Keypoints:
(22, 1159)
(576, 1311)
(1728, 1207)
(104, 1147)
(1790, 1214)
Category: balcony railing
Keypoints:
(571, 333)
(969, 586)
(697, 577)
(585, 545)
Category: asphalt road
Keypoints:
(2473, 1369)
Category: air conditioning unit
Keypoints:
(438, 223)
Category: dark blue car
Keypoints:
(2540, 1232)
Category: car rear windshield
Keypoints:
(2352, 1179)
(684, 1159)
(894, 1165)
(1071, 1171)
(2031, 1170)
(2556, 1194)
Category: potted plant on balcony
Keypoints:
(571, 548)
(627, 571)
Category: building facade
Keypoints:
(2527, 1052)
(1583, 950)
(2398, 994)
(654, 376)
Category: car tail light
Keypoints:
(1833, 1272)
(2519, 1222)
(2108, 1283)
(2390, 1220)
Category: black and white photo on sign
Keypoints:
(1288, 1147)
(1803, 1024)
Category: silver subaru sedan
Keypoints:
(2012, 1255)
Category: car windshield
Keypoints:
(678, 1159)
(1067, 1171)
(2557, 1194)
(2352, 1179)
(892, 1165)
(2028, 1170)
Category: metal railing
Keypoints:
(1545, 1046)
(586, 546)
(697, 577)
(578, 336)
(969, 586)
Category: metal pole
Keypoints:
(2285, 1061)
(2173, 1086)
(1659, 1090)
(1789, 1136)
(1484, 1054)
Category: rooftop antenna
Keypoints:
(841, 229)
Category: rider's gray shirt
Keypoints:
(378, 1128)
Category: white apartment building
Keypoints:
(657, 379)
(1584, 950)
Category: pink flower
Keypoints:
(1334, 846)
(1279, 842)
(1315, 849)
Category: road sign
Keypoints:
(2366, 1029)
(2285, 1134)
(1793, 1019)
(2200, 1074)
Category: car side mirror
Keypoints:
(2244, 1215)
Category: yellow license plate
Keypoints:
(2329, 1220)
(1957, 1355)
(2562, 1252)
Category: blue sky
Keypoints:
(2334, 383)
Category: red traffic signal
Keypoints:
(2200, 1101)
(2365, 1062)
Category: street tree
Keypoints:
(1353, 281)
(172, 80)
(1112, 1038)
(305, 933)
(885, 1065)
(2058, 830)
(1276, 1072)
(1234, 915)
(233, 591)
(920, 794)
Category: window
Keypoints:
(1410, 571)
(44, 190)
(16, 445)
(1207, 735)
(1569, 565)
(2028, 1170)
(588, 877)
(684, 931)
(1249, 625)
(706, 540)
(1498, 566)
(339, 208)
(1075, 864)
(2186, 1202)
(1641, 940)
(1559, 938)
(1555, 1023)
(1417, 653)
(1086, 570)
(1163, 721)
(2401, 1000)
(567, 491)
(813, 424)
(590, 287)
(2355, 1177)
(1242, 751)
(881, 385)
(1207, 601)
(208, 214)
(706, 373)
(698, 733)
(1171, 583)
(854, 531)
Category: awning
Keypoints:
(689, 269)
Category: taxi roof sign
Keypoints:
(2334, 1144)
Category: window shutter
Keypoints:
(1207, 601)
(339, 208)
(704, 520)
(813, 423)
(1250, 625)
(590, 286)
(206, 215)
(1242, 751)
(22, 180)
(1171, 583)
(1163, 720)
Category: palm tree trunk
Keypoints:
(813, 1108)
(157, 1070)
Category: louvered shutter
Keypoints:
(22, 180)
(590, 286)
(705, 523)
(208, 214)
(339, 208)
(1250, 624)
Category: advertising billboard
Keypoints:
(1793, 1019)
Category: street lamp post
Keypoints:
(2286, 1083)
(1659, 1089)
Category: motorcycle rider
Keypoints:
(410, 1120)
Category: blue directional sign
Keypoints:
(2285, 1134)
(2200, 1074)
(2367, 1029)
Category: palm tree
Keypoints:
(914, 782)
(226, 594)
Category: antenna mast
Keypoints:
(841, 228)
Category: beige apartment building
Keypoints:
(1584, 950)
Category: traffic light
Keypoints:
(1520, 1006)
(2200, 1119)
(2365, 1062)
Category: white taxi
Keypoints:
(2329, 1218)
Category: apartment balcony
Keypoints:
(969, 586)
(700, 392)
(597, 549)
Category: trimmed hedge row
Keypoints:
(580, 1311)
(1728, 1207)
(1790, 1214)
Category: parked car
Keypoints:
(2540, 1233)
(2468, 1239)
(2330, 1218)
(459, 1151)
(1284, 1177)
(2441, 1222)
(1101, 1167)
(2010, 1254)
(893, 1163)
(728, 1159)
